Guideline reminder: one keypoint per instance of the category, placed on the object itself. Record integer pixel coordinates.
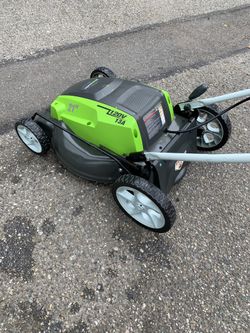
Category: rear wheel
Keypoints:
(215, 134)
(33, 136)
(102, 72)
(145, 203)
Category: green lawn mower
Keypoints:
(111, 130)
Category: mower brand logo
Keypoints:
(72, 107)
(119, 117)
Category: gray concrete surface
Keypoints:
(72, 262)
(147, 54)
(30, 26)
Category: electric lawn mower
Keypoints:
(111, 130)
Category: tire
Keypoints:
(33, 136)
(136, 197)
(214, 135)
(102, 72)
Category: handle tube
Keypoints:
(214, 100)
(189, 157)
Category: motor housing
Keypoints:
(119, 115)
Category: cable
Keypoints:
(206, 122)
(120, 160)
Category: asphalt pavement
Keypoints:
(28, 28)
(149, 53)
(70, 260)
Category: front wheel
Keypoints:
(215, 134)
(145, 203)
(33, 136)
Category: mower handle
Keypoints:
(188, 157)
(214, 100)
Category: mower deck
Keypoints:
(87, 162)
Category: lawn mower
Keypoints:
(111, 130)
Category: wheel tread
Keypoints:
(108, 72)
(39, 133)
(152, 191)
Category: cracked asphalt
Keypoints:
(70, 260)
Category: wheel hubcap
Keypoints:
(140, 207)
(212, 133)
(99, 75)
(29, 139)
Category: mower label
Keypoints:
(179, 164)
(118, 115)
(154, 121)
(161, 111)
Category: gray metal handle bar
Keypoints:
(211, 158)
(214, 100)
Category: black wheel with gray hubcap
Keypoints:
(32, 136)
(215, 134)
(102, 72)
(145, 203)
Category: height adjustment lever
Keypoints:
(198, 91)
